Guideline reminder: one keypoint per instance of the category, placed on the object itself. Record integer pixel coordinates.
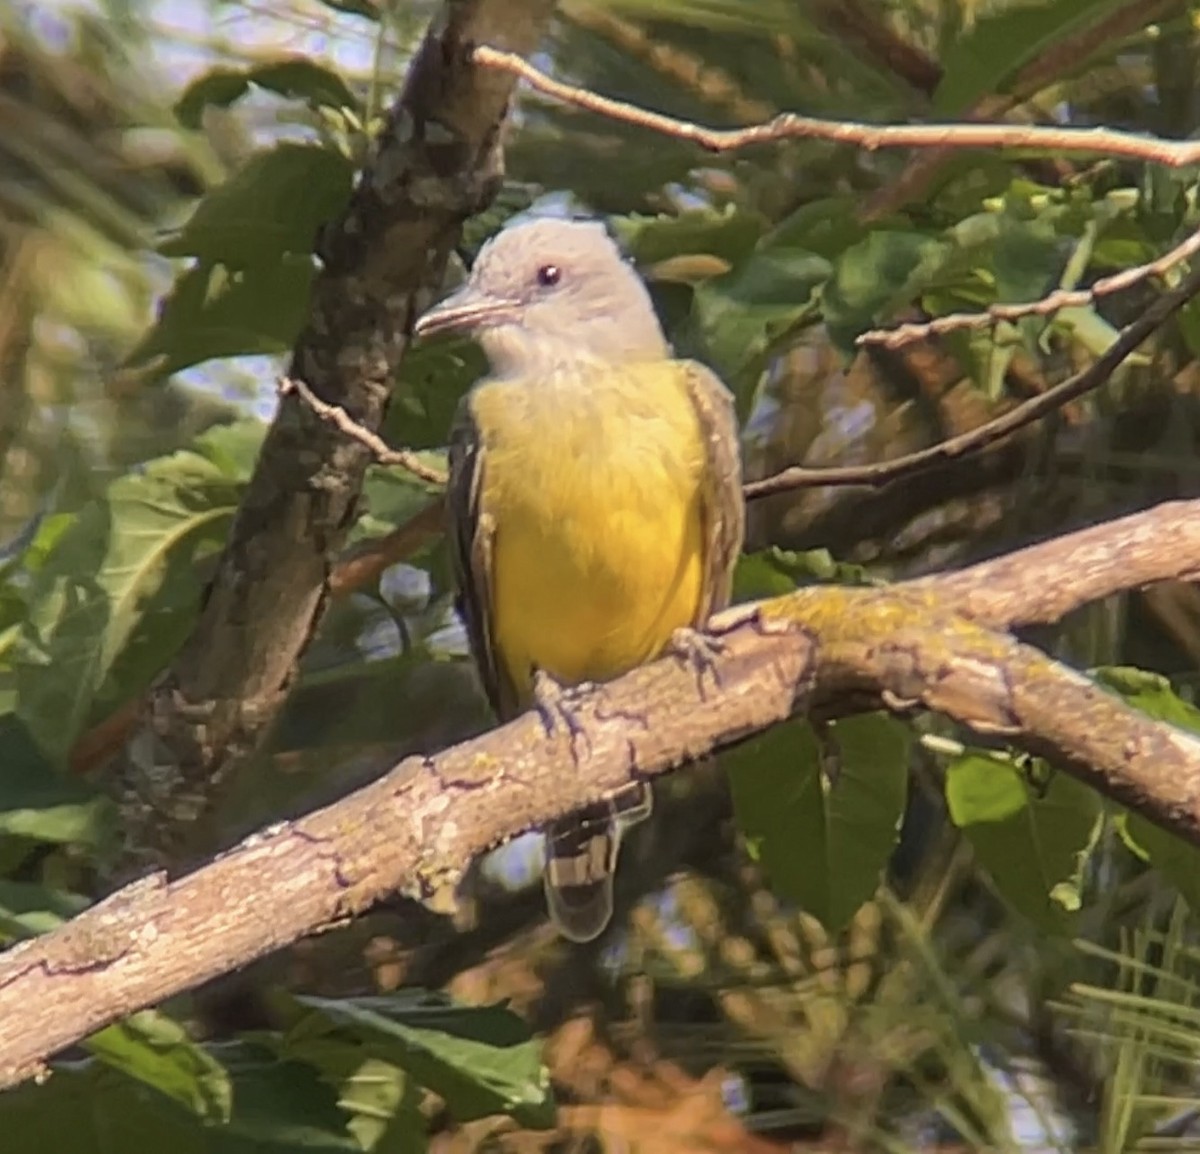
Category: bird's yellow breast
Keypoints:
(593, 481)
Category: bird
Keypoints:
(594, 500)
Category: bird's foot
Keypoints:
(557, 706)
(699, 651)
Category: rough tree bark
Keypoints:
(435, 163)
(938, 644)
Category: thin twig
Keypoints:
(365, 565)
(792, 126)
(1047, 68)
(340, 419)
(1053, 302)
(883, 472)
(1095, 375)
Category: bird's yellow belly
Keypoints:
(589, 596)
(593, 480)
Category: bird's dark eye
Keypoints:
(549, 275)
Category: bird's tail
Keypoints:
(581, 859)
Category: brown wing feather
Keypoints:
(471, 531)
(724, 506)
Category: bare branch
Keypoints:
(792, 126)
(353, 572)
(1043, 583)
(379, 449)
(435, 163)
(1006, 424)
(415, 829)
(883, 472)
(1061, 57)
(365, 564)
(1051, 303)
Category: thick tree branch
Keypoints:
(414, 830)
(1043, 583)
(436, 162)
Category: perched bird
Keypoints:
(594, 499)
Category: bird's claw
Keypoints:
(699, 651)
(556, 705)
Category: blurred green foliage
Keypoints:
(162, 227)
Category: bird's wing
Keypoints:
(471, 532)
(724, 506)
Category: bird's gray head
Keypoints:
(550, 293)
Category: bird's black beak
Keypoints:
(466, 311)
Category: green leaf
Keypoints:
(729, 235)
(1151, 693)
(369, 8)
(826, 227)
(118, 593)
(738, 315)
(39, 803)
(382, 1101)
(271, 208)
(12, 610)
(758, 576)
(232, 448)
(433, 378)
(49, 530)
(1176, 859)
(823, 825)
(12, 550)
(90, 1108)
(1027, 258)
(987, 353)
(772, 572)
(1034, 845)
(157, 1051)
(872, 278)
(392, 496)
(983, 789)
(279, 1107)
(1188, 320)
(1093, 332)
(214, 311)
(385, 1109)
(987, 58)
(558, 149)
(27, 909)
(295, 77)
(481, 1059)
